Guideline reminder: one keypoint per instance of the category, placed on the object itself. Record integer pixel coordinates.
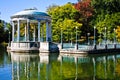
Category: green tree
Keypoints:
(106, 6)
(4, 31)
(107, 14)
(110, 22)
(1, 31)
(63, 18)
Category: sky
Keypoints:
(10, 7)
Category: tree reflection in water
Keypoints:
(64, 67)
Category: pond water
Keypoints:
(36, 66)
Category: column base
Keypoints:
(48, 47)
(76, 46)
(60, 46)
(115, 46)
(105, 46)
(95, 46)
(24, 47)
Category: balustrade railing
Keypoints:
(68, 46)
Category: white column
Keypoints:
(34, 35)
(18, 31)
(42, 36)
(50, 32)
(25, 33)
(13, 30)
(47, 32)
(38, 31)
(28, 27)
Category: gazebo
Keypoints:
(28, 33)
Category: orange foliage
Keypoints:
(84, 8)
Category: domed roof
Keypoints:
(29, 12)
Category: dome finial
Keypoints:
(34, 8)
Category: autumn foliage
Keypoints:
(118, 33)
(84, 7)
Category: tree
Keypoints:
(1, 31)
(4, 31)
(63, 18)
(111, 6)
(108, 17)
(110, 22)
(86, 10)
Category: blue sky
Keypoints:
(9, 7)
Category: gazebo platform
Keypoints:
(24, 47)
(29, 47)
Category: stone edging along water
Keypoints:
(94, 51)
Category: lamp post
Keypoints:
(71, 39)
(76, 35)
(105, 39)
(61, 39)
(100, 39)
(94, 37)
(114, 39)
(61, 36)
(9, 38)
(88, 34)
(105, 35)
(76, 45)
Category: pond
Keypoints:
(41, 66)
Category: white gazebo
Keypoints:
(28, 31)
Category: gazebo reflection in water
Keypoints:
(46, 66)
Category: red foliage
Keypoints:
(84, 7)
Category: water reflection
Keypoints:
(64, 67)
(5, 65)
(24, 66)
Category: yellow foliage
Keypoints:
(118, 68)
(118, 33)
